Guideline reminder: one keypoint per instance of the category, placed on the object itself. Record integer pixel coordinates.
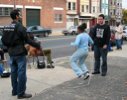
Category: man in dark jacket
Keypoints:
(101, 37)
(17, 54)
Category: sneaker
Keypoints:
(86, 76)
(24, 96)
(53, 66)
(50, 66)
(81, 76)
(95, 72)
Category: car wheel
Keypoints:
(126, 38)
(46, 34)
(73, 33)
(65, 34)
(37, 35)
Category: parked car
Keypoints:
(125, 27)
(72, 30)
(125, 33)
(1, 31)
(39, 31)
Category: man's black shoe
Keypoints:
(25, 96)
(103, 74)
(95, 72)
(14, 94)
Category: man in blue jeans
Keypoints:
(101, 37)
(17, 53)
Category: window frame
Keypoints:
(73, 6)
(5, 11)
(58, 17)
(87, 8)
(83, 8)
(69, 5)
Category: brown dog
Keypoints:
(32, 51)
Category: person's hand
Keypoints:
(105, 46)
(90, 48)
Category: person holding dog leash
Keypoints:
(44, 52)
(17, 53)
(79, 56)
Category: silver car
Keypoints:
(125, 33)
(72, 30)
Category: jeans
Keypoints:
(119, 43)
(100, 52)
(77, 61)
(2, 55)
(18, 74)
(109, 46)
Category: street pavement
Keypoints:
(61, 83)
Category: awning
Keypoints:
(72, 16)
(91, 15)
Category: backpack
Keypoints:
(9, 35)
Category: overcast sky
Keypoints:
(124, 4)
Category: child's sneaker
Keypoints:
(81, 76)
(86, 75)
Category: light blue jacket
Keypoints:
(83, 40)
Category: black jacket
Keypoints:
(22, 38)
(101, 35)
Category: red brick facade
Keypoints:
(47, 13)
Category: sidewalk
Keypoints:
(38, 80)
(56, 34)
(111, 87)
(61, 83)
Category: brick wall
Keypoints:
(21, 2)
(48, 13)
(5, 20)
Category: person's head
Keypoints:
(82, 28)
(15, 14)
(101, 18)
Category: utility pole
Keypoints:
(14, 4)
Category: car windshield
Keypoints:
(39, 28)
(29, 28)
(34, 28)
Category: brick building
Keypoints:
(46, 13)
(31, 11)
(72, 13)
(115, 11)
(54, 14)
